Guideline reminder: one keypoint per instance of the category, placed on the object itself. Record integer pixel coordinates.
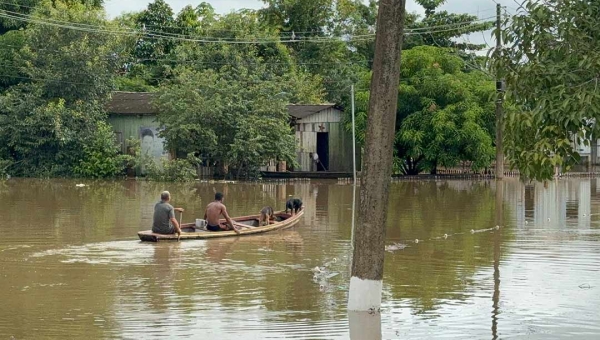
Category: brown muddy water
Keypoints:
(71, 266)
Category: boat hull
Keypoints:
(249, 225)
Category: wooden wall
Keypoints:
(128, 127)
(340, 141)
(330, 115)
(330, 120)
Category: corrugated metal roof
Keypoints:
(132, 103)
(303, 111)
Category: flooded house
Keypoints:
(132, 116)
(318, 129)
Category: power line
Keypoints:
(174, 38)
(244, 31)
(248, 82)
(148, 33)
(178, 37)
(408, 30)
(406, 81)
(47, 80)
(233, 64)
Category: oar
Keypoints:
(180, 225)
(241, 225)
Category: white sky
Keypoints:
(481, 8)
(484, 7)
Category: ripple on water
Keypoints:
(72, 280)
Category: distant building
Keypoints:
(318, 128)
(132, 116)
(587, 152)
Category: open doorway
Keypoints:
(323, 151)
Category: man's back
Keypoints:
(213, 213)
(163, 212)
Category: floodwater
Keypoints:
(71, 266)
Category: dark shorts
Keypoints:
(213, 228)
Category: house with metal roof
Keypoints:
(318, 129)
(132, 116)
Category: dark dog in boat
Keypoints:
(293, 205)
(266, 215)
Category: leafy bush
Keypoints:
(446, 114)
(101, 155)
(177, 170)
(4, 164)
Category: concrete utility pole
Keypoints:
(369, 238)
(354, 183)
(499, 103)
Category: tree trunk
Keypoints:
(369, 236)
(414, 166)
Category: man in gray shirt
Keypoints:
(164, 216)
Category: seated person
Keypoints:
(164, 221)
(293, 205)
(213, 214)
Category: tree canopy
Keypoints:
(445, 112)
(223, 81)
(445, 98)
(51, 122)
(551, 65)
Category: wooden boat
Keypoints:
(248, 224)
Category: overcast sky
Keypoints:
(481, 8)
(116, 7)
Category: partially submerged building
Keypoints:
(132, 116)
(318, 129)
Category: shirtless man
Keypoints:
(213, 214)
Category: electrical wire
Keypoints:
(178, 37)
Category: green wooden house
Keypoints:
(132, 116)
(318, 128)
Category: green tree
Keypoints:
(238, 124)
(551, 68)
(53, 124)
(71, 64)
(10, 62)
(191, 21)
(267, 60)
(440, 28)
(159, 18)
(101, 156)
(45, 138)
(445, 115)
(157, 24)
(305, 22)
(16, 10)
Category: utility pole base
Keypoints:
(365, 295)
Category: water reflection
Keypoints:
(497, 242)
(74, 268)
(436, 209)
(364, 325)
